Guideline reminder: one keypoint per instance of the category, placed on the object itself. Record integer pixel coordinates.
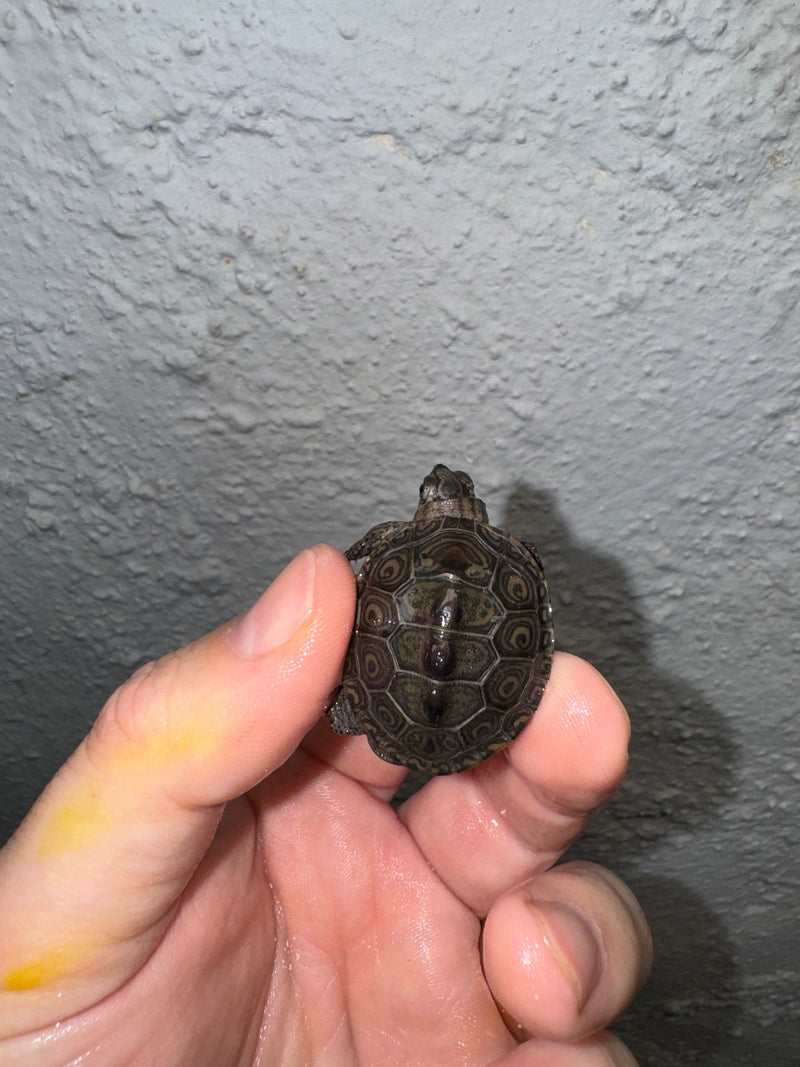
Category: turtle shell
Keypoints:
(452, 643)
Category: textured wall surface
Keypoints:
(262, 265)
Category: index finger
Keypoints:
(489, 828)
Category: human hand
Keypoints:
(212, 878)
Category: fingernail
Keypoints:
(574, 944)
(279, 612)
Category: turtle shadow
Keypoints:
(682, 753)
(675, 731)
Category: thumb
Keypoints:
(88, 882)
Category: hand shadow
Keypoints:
(682, 760)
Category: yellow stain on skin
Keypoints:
(73, 824)
(127, 773)
(43, 969)
(197, 740)
(102, 798)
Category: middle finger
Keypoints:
(499, 823)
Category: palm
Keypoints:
(314, 905)
(382, 955)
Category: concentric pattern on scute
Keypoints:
(452, 644)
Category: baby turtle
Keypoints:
(453, 634)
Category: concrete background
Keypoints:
(262, 265)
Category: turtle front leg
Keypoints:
(341, 712)
(371, 539)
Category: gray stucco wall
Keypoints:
(262, 265)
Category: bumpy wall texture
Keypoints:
(262, 265)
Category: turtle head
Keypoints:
(446, 492)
